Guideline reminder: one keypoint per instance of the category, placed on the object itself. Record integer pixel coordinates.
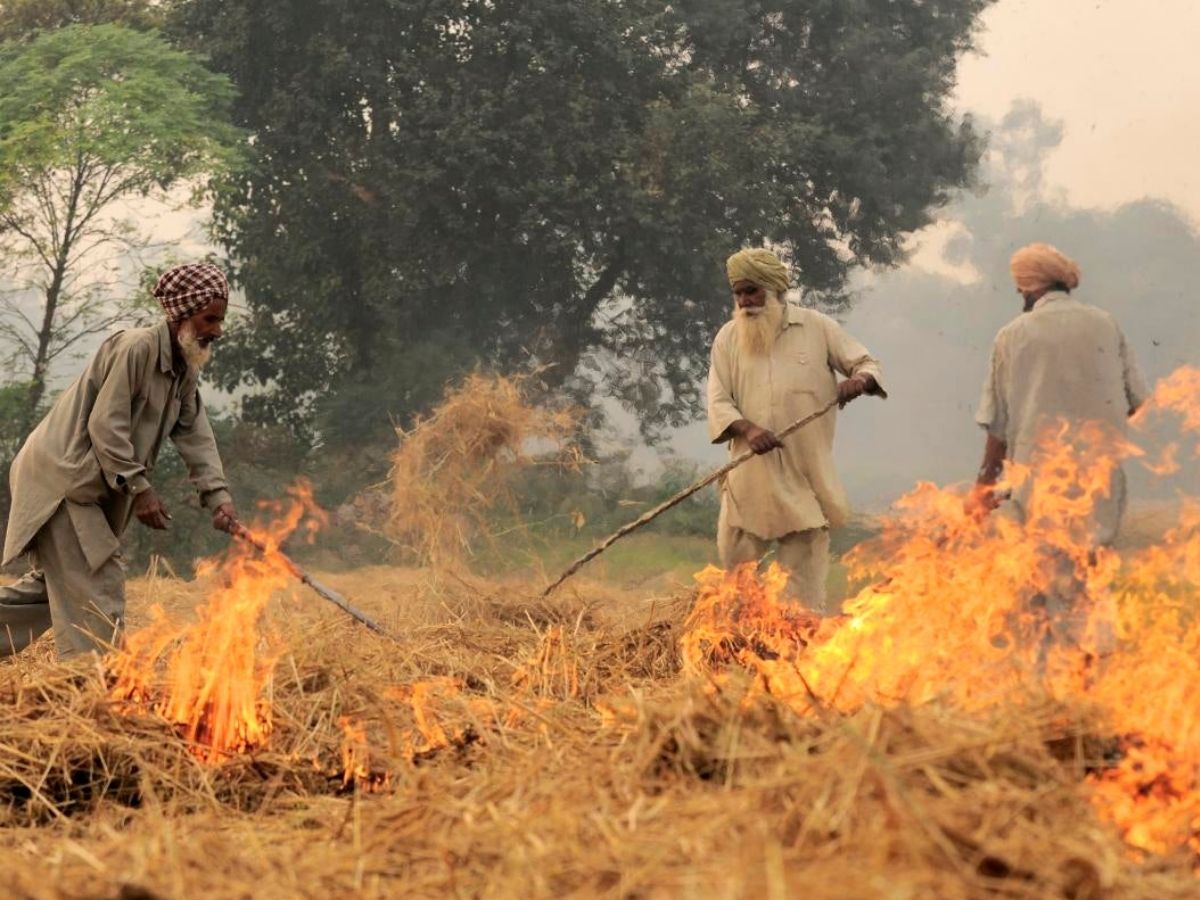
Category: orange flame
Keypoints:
(438, 704)
(356, 768)
(1176, 394)
(210, 677)
(981, 614)
(428, 734)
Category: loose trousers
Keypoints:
(804, 554)
(85, 608)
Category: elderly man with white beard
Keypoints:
(84, 472)
(772, 364)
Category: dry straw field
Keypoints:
(944, 737)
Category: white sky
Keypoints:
(1121, 75)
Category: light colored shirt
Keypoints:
(96, 448)
(795, 488)
(1062, 360)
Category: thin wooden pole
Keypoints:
(325, 593)
(677, 499)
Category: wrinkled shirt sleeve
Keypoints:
(722, 409)
(849, 357)
(197, 445)
(993, 410)
(110, 423)
(1136, 389)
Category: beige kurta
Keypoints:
(1061, 360)
(96, 448)
(795, 488)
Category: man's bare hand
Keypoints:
(980, 501)
(851, 389)
(225, 519)
(150, 511)
(761, 440)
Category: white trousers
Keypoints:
(83, 607)
(803, 554)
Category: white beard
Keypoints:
(194, 354)
(756, 329)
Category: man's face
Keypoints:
(197, 333)
(207, 325)
(757, 316)
(749, 297)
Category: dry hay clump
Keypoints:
(453, 468)
(896, 802)
(562, 755)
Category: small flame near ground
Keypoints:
(446, 716)
(211, 677)
(982, 613)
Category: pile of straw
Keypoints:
(578, 760)
(453, 469)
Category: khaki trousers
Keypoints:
(804, 554)
(85, 608)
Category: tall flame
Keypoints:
(210, 677)
(984, 613)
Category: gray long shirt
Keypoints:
(97, 447)
(1063, 360)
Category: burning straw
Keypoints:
(611, 744)
(1000, 614)
(209, 677)
(559, 754)
(453, 469)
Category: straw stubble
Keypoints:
(575, 758)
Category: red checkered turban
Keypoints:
(185, 290)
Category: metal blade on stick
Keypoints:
(677, 499)
(325, 593)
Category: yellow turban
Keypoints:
(762, 267)
(1040, 266)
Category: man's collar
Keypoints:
(166, 353)
(796, 315)
(1050, 297)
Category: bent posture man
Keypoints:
(84, 471)
(773, 363)
(1061, 360)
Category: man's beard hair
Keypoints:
(756, 329)
(195, 355)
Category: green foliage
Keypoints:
(22, 19)
(112, 104)
(14, 401)
(91, 116)
(538, 181)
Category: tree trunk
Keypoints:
(58, 275)
(577, 334)
(41, 362)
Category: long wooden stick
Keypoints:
(677, 499)
(325, 593)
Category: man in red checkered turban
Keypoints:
(185, 290)
(84, 473)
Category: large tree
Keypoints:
(91, 120)
(22, 19)
(439, 181)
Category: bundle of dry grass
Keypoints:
(452, 469)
